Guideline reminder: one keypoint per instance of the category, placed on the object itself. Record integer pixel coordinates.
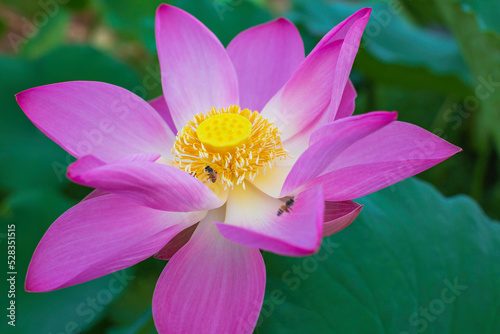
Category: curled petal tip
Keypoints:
(366, 10)
(27, 285)
(282, 20)
(162, 7)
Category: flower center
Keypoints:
(224, 132)
(228, 145)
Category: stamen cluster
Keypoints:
(244, 161)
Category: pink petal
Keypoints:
(151, 184)
(329, 141)
(151, 157)
(338, 215)
(300, 141)
(89, 162)
(347, 104)
(393, 153)
(95, 193)
(306, 95)
(341, 30)
(265, 57)
(211, 285)
(94, 162)
(350, 31)
(161, 107)
(176, 243)
(316, 88)
(86, 117)
(99, 236)
(252, 219)
(197, 73)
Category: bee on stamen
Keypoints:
(212, 175)
(287, 207)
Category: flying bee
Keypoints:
(287, 207)
(212, 175)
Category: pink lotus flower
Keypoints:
(232, 181)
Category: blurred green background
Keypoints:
(437, 62)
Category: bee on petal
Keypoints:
(287, 207)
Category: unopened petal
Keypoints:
(350, 31)
(313, 94)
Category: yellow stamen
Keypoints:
(235, 143)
